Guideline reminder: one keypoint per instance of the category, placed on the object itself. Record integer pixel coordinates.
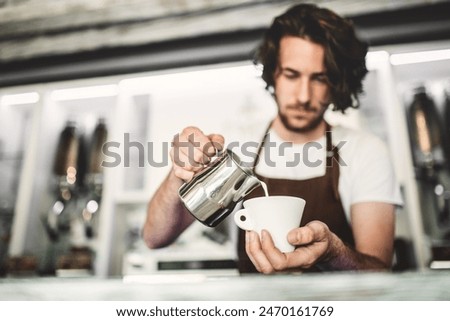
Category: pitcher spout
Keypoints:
(250, 183)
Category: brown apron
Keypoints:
(323, 202)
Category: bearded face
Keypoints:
(301, 84)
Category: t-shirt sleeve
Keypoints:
(374, 178)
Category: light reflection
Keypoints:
(58, 207)
(92, 206)
(419, 57)
(71, 175)
(20, 99)
(85, 92)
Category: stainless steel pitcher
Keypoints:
(214, 192)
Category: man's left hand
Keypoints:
(312, 242)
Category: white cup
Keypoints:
(276, 214)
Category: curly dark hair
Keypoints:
(344, 52)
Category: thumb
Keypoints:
(300, 236)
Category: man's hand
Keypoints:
(192, 150)
(315, 244)
(312, 241)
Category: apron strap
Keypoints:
(261, 145)
(332, 162)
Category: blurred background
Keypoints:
(77, 74)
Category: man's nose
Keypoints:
(304, 91)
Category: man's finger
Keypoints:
(255, 253)
(276, 258)
(215, 145)
(314, 231)
(300, 236)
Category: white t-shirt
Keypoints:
(366, 171)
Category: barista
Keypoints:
(311, 60)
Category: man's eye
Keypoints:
(321, 78)
(290, 75)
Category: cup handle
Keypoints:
(242, 219)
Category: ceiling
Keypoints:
(34, 33)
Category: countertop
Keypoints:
(336, 286)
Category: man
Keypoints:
(311, 60)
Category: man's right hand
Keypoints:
(192, 150)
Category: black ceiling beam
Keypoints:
(415, 24)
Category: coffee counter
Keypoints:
(429, 285)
